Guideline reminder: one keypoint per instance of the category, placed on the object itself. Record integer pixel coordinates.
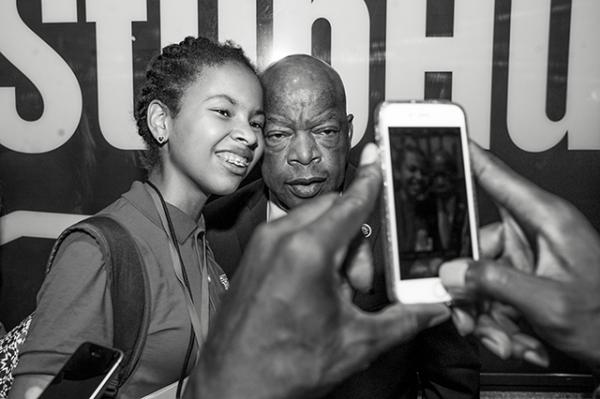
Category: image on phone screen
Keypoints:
(85, 373)
(430, 197)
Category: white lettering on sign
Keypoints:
(241, 30)
(467, 54)
(178, 19)
(349, 19)
(51, 76)
(115, 73)
(59, 11)
(527, 122)
(35, 224)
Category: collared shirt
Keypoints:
(274, 211)
(74, 303)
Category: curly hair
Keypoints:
(171, 72)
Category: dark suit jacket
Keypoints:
(447, 365)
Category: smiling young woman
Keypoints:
(200, 113)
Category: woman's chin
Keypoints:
(226, 188)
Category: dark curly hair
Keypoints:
(171, 72)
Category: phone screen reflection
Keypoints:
(430, 197)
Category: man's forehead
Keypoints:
(298, 97)
(292, 116)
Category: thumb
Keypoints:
(500, 282)
(359, 269)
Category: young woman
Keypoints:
(200, 113)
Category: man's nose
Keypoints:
(304, 149)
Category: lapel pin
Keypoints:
(366, 230)
(224, 281)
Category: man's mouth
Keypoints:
(306, 187)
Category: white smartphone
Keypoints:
(85, 374)
(429, 210)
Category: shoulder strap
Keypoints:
(129, 289)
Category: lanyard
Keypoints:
(199, 325)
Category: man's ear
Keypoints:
(349, 119)
(157, 118)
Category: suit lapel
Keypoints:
(254, 214)
(373, 222)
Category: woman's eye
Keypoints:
(257, 123)
(223, 112)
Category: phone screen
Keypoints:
(430, 196)
(85, 373)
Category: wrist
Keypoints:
(226, 376)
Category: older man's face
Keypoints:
(307, 139)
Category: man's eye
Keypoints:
(328, 136)
(275, 137)
(329, 132)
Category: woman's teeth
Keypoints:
(233, 159)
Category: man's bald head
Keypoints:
(307, 132)
(302, 73)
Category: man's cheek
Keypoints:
(335, 145)
(271, 159)
(280, 147)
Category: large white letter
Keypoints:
(178, 19)
(59, 11)
(52, 77)
(468, 55)
(349, 19)
(527, 122)
(115, 76)
(237, 22)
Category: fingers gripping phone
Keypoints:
(429, 207)
(85, 374)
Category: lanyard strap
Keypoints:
(204, 294)
(200, 326)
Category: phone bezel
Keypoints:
(390, 114)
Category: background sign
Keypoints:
(527, 73)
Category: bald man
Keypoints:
(307, 143)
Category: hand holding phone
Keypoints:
(429, 207)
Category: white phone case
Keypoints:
(418, 115)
